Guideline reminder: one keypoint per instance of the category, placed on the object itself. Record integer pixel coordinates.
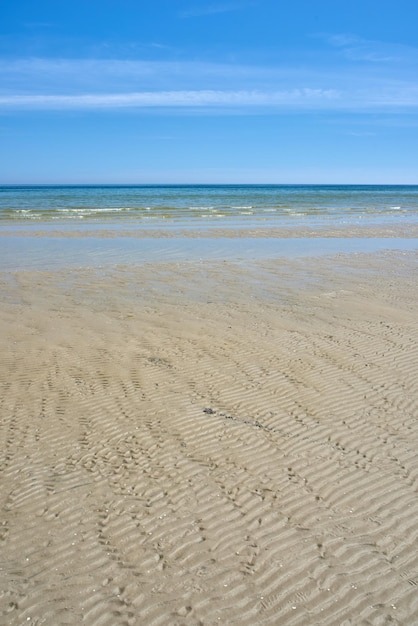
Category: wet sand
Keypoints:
(217, 443)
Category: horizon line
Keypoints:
(207, 184)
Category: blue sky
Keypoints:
(222, 91)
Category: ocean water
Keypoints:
(201, 206)
(32, 216)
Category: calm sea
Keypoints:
(44, 211)
(201, 205)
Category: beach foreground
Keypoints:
(221, 443)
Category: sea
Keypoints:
(185, 205)
(32, 215)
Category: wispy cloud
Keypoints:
(64, 84)
(357, 49)
(295, 99)
(37, 74)
(199, 98)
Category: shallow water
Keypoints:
(95, 223)
(48, 253)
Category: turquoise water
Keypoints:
(37, 212)
(207, 205)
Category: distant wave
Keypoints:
(249, 204)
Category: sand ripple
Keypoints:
(189, 445)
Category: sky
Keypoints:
(208, 91)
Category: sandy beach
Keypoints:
(211, 443)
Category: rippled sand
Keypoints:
(223, 443)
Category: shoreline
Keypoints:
(59, 249)
(407, 230)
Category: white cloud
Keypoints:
(357, 49)
(38, 75)
(197, 98)
(64, 84)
